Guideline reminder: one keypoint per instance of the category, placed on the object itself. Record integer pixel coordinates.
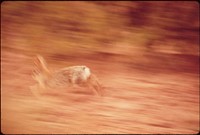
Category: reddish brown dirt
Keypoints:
(135, 101)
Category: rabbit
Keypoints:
(64, 78)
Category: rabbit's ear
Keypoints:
(40, 71)
(40, 60)
(41, 64)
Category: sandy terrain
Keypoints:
(135, 101)
(145, 54)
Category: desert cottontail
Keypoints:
(63, 78)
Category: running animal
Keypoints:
(63, 78)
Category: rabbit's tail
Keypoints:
(41, 72)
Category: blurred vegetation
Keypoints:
(129, 28)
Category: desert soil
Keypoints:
(134, 101)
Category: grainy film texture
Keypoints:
(99, 67)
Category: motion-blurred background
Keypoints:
(146, 54)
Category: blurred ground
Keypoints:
(146, 54)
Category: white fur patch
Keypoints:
(87, 73)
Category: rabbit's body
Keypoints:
(74, 75)
(65, 77)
